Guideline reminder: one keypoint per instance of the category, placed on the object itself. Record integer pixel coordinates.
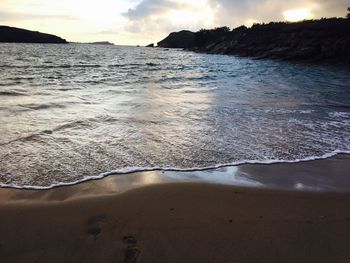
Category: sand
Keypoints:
(173, 222)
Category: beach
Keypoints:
(178, 221)
(221, 145)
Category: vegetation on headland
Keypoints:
(19, 35)
(324, 40)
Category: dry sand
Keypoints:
(174, 222)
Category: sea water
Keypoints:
(73, 112)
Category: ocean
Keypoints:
(70, 113)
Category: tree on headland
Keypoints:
(205, 35)
(223, 29)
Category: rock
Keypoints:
(150, 45)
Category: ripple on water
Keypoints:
(74, 112)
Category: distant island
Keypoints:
(100, 43)
(19, 35)
(316, 41)
(106, 43)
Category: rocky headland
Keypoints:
(19, 35)
(316, 41)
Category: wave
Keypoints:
(29, 137)
(129, 170)
(11, 93)
(52, 66)
(20, 78)
(84, 124)
(134, 65)
(339, 114)
(152, 64)
(33, 106)
(180, 78)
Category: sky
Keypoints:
(141, 22)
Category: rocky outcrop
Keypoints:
(182, 39)
(18, 35)
(325, 40)
(150, 45)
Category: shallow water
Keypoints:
(71, 112)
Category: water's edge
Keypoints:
(131, 170)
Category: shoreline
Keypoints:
(213, 169)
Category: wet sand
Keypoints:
(167, 221)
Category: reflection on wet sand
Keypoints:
(329, 175)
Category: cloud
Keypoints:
(14, 16)
(150, 8)
(155, 18)
(333, 8)
(170, 15)
(106, 32)
(234, 12)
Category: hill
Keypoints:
(18, 35)
(325, 40)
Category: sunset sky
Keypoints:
(132, 22)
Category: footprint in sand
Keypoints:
(94, 225)
(132, 252)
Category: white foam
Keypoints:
(339, 114)
(128, 170)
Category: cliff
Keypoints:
(18, 35)
(325, 40)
